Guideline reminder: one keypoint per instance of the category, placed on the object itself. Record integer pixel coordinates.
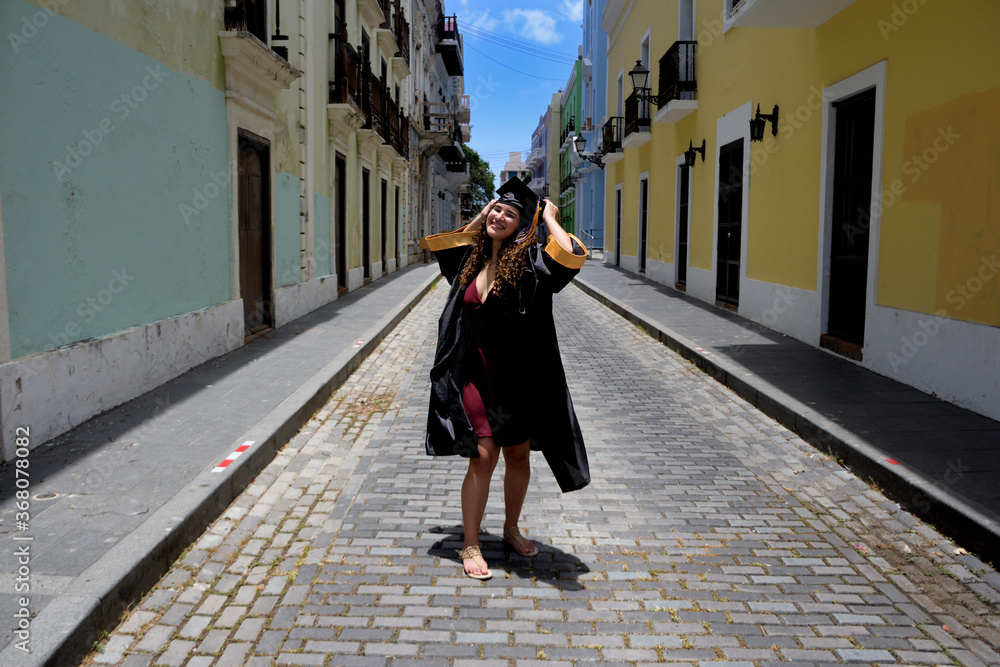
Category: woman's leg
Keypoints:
(475, 492)
(517, 459)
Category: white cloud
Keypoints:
(478, 19)
(572, 10)
(532, 24)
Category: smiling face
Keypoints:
(502, 222)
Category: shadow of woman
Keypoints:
(552, 565)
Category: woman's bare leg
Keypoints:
(517, 459)
(475, 492)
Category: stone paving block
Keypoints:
(740, 540)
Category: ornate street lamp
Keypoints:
(759, 122)
(580, 142)
(691, 151)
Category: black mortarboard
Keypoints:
(516, 193)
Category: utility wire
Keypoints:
(522, 48)
(535, 76)
(520, 43)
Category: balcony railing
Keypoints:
(251, 16)
(568, 129)
(403, 36)
(636, 113)
(611, 135)
(566, 184)
(345, 86)
(382, 114)
(449, 45)
(677, 80)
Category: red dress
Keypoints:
(477, 392)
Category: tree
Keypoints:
(482, 179)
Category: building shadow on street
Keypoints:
(551, 566)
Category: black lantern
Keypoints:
(691, 151)
(580, 142)
(639, 75)
(759, 122)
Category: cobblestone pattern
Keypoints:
(710, 534)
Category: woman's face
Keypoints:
(502, 221)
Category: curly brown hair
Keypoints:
(510, 264)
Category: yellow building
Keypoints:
(867, 219)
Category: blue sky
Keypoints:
(516, 56)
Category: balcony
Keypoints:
(677, 83)
(568, 132)
(636, 120)
(535, 158)
(373, 11)
(782, 13)
(449, 45)
(384, 126)
(537, 185)
(344, 111)
(464, 113)
(611, 140)
(393, 37)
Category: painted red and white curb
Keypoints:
(232, 457)
(359, 342)
(702, 350)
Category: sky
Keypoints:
(517, 54)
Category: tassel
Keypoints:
(530, 230)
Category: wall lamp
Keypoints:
(758, 123)
(690, 153)
(580, 142)
(639, 76)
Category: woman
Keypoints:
(498, 384)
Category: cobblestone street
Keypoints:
(709, 534)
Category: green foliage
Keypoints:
(481, 176)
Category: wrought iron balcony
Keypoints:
(449, 45)
(677, 80)
(345, 86)
(568, 130)
(636, 113)
(251, 16)
(611, 135)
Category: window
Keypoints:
(620, 104)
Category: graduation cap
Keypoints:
(517, 194)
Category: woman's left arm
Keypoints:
(550, 216)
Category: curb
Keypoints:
(127, 572)
(914, 492)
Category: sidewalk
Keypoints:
(938, 460)
(117, 499)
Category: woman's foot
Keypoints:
(513, 537)
(473, 564)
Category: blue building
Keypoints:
(590, 177)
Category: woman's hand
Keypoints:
(550, 214)
(551, 218)
(480, 219)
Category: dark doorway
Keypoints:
(366, 223)
(340, 240)
(727, 281)
(384, 212)
(395, 238)
(683, 219)
(618, 227)
(852, 193)
(643, 222)
(253, 190)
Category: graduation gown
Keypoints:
(531, 382)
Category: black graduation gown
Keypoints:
(531, 381)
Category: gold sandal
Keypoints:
(511, 534)
(473, 552)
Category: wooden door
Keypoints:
(384, 212)
(618, 227)
(366, 222)
(729, 245)
(340, 240)
(396, 237)
(852, 194)
(643, 222)
(683, 218)
(253, 190)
